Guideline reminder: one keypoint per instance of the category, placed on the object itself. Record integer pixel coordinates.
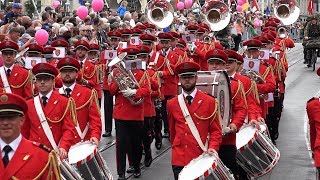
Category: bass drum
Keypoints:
(217, 84)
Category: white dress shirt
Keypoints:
(6, 69)
(71, 87)
(14, 146)
(193, 94)
(48, 95)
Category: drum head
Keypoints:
(197, 167)
(244, 136)
(80, 152)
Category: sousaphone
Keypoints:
(286, 11)
(216, 14)
(160, 13)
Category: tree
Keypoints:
(29, 8)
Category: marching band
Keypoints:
(202, 95)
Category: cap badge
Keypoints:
(186, 65)
(215, 52)
(67, 60)
(7, 43)
(4, 98)
(41, 66)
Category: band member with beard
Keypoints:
(250, 88)
(21, 158)
(204, 114)
(155, 62)
(217, 60)
(129, 119)
(269, 84)
(114, 39)
(169, 86)
(48, 119)
(86, 110)
(88, 69)
(14, 79)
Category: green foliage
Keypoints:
(29, 8)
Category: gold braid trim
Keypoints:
(164, 60)
(278, 70)
(64, 114)
(91, 75)
(32, 80)
(144, 76)
(156, 75)
(243, 94)
(238, 90)
(169, 67)
(52, 166)
(265, 74)
(255, 91)
(73, 111)
(213, 114)
(94, 97)
(217, 108)
(25, 81)
(98, 74)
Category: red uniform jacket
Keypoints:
(87, 112)
(59, 119)
(239, 111)
(313, 111)
(170, 83)
(106, 82)
(20, 81)
(254, 109)
(149, 109)
(89, 73)
(123, 109)
(205, 116)
(27, 162)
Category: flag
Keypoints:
(245, 6)
(254, 6)
(310, 7)
(268, 12)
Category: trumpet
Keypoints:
(124, 78)
(255, 76)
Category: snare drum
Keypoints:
(206, 167)
(89, 162)
(216, 84)
(256, 154)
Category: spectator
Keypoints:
(13, 14)
(240, 29)
(123, 8)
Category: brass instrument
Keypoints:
(286, 11)
(255, 76)
(160, 13)
(216, 14)
(124, 78)
(192, 48)
(19, 56)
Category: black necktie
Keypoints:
(8, 72)
(81, 63)
(5, 158)
(189, 99)
(164, 53)
(44, 100)
(68, 91)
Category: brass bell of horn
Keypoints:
(286, 11)
(160, 13)
(217, 14)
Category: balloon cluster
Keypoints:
(55, 4)
(239, 6)
(257, 22)
(186, 3)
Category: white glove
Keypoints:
(129, 92)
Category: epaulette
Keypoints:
(63, 95)
(266, 64)
(313, 98)
(87, 86)
(44, 147)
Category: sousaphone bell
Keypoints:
(286, 11)
(216, 14)
(160, 13)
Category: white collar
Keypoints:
(151, 53)
(5, 68)
(14, 144)
(193, 94)
(232, 76)
(48, 95)
(71, 87)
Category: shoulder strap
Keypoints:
(44, 122)
(191, 124)
(5, 80)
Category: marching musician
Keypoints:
(155, 62)
(14, 79)
(48, 118)
(114, 39)
(94, 57)
(59, 43)
(129, 119)
(169, 86)
(203, 113)
(21, 158)
(47, 54)
(34, 50)
(149, 109)
(269, 84)
(250, 88)
(86, 108)
(217, 60)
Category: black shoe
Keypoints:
(148, 158)
(107, 134)
(130, 169)
(137, 173)
(158, 144)
(165, 135)
(305, 62)
(121, 177)
(309, 65)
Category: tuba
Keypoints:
(286, 11)
(216, 14)
(19, 56)
(123, 77)
(160, 13)
(255, 76)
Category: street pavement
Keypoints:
(295, 162)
